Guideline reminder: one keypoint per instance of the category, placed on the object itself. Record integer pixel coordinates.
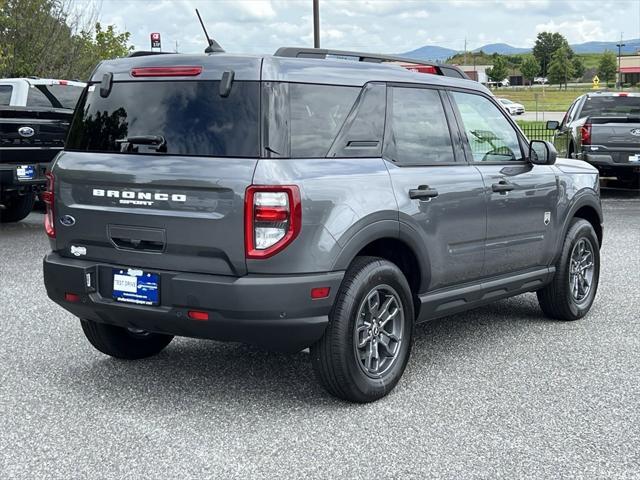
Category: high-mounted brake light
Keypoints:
(166, 71)
(422, 68)
(272, 219)
(48, 198)
(585, 134)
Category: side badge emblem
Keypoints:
(68, 221)
(547, 218)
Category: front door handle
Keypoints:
(423, 192)
(502, 186)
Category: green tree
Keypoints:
(499, 70)
(530, 68)
(561, 68)
(607, 67)
(54, 38)
(546, 45)
(578, 68)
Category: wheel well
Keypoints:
(401, 254)
(591, 216)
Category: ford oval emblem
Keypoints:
(68, 221)
(635, 132)
(26, 132)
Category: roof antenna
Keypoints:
(214, 47)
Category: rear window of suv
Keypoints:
(191, 117)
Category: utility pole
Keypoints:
(465, 50)
(316, 24)
(620, 45)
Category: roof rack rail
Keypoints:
(144, 53)
(321, 53)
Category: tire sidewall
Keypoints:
(581, 230)
(376, 274)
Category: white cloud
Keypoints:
(578, 31)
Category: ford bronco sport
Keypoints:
(305, 200)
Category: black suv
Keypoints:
(311, 198)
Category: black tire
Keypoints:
(557, 299)
(336, 356)
(17, 208)
(123, 343)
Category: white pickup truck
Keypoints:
(34, 117)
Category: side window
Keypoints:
(491, 137)
(417, 130)
(317, 114)
(573, 112)
(5, 94)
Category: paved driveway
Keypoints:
(499, 392)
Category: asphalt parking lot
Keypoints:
(499, 392)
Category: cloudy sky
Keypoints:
(261, 26)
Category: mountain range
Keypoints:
(439, 54)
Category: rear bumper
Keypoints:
(272, 311)
(9, 180)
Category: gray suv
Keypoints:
(310, 198)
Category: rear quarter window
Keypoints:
(303, 120)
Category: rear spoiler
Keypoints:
(409, 63)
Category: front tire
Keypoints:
(367, 343)
(17, 208)
(124, 343)
(571, 293)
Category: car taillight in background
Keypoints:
(48, 198)
(585, 134)
(272, 219)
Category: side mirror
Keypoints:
(542, 152)
(553, 125)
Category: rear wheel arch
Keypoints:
(587, 207)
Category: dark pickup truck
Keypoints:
(603, 128)
(34, 119)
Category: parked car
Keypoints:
(296, 201)
(512, 108)
(501, 83)
(603, 128)
(34, 118)
(541, 80)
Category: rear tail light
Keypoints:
(320, 292)
(272, 217)
(585, 134)
(48, 198)
(198, 315)
(166, 71)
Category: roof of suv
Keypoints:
(278, 68)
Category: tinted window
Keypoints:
(417, 130)
(317, 113)
(5, 94)
(610, 106)
(302, 120)
(491, 137)
(192, 118)
(53, 96)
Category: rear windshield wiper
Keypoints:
(127, 144)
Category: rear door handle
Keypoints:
(423, 192)
(502, 186)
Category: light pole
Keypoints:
(620, 45)
(316, 24)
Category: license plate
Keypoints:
(634, 158)
(135, 286)
(26, 172)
